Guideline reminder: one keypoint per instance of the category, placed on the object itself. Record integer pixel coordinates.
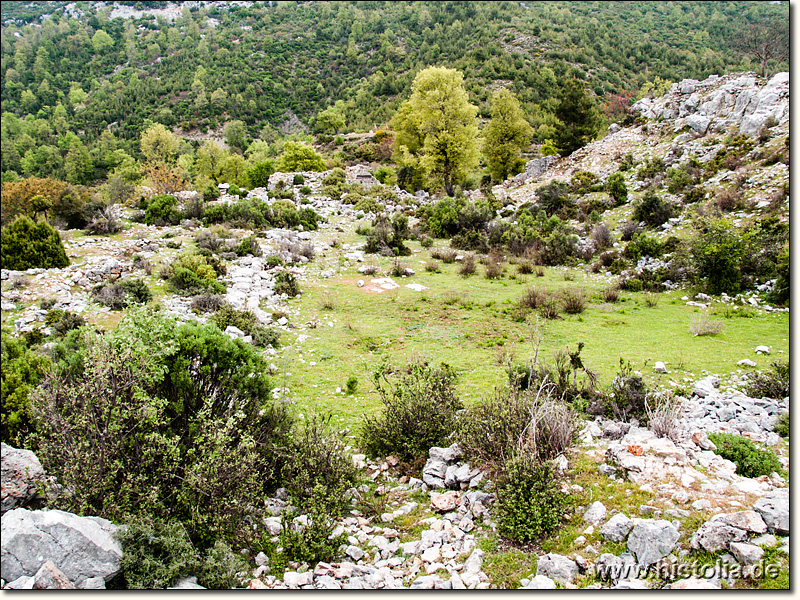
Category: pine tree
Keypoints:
(578, 117)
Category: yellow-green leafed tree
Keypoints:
(506, 135)
(438, 126)
(159, 144)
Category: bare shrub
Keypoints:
(532, 298)
(650, 300)
(607, 258)
(433, 267)
(18, 282)
(548, 308)
(611, 294)
(602, 237)
(105, 222)
(569, 276)
(627, 230)
(524, 267)
(493, 270)
(467, 266)
(208, 240)
(207, 302)
(573, 301)
(369, 269)
(446, 255)
(729, 200)
(539, 271)
(400, 269)
(702, 324)
(327, 302)
(662, 416)
(307, 250)
(140, 262)
(513, 422)
(505, 356)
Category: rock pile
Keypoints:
(442, 470)
(718, 103)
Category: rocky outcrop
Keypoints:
(82, 548)
(21, 474)
(743, 101)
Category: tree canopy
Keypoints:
(506, 135)
(440, 125)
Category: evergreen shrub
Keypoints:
(28, 245)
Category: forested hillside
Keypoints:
(81, 70)
(383, 295)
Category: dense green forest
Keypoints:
(67, 80)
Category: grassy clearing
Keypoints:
(468, 323)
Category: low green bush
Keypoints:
(22, 371)
(419, 411)
(782, 426)
(286, 283)
(189, 429)
(653, 209)
(63, 321)
(155, 554)
(771, 384)
(313, 542)
(161, 210)
(28, 245)
(641, 245)
(319, 463)
(248, 245)
(528, 501)
(247, 322)
(627, 394)
(190, 274)
(121, 293)
(222, 568)
(750, 460)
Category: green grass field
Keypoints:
(468, 323)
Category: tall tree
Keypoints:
(507, 134)
(766, 41)
(236, 135)
(578, 117)
(439, 115)
(159, 144)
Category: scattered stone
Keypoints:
(596, 513)
(617, 528)
(652, 540)
(774, 509)
(21, 474)
(767, 539)
(49, 577)
(445, 502)
(749, 520)
(557, 567)
(746, 554)
(713, 536)
(694, 583)
(187, 583)
(541, 582)
(80, 547)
